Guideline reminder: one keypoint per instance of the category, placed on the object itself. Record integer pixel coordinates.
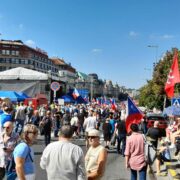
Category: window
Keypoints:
(13, 60)
(8, 60)
(22, 61)
(26, 61)
(31, 62)
(3, 52)
(7, 52)
(17, 53)
(2, 60)
(17, 61)
(13, 53)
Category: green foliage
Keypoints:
(152, 94)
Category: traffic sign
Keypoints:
(175, 101)
(55, 86)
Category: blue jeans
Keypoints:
(142, 174)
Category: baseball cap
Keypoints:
(94, 132)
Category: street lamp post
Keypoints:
(91, 88)
(156, 47)
(49, 83)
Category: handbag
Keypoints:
(149, 152)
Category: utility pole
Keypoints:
(91, 88)
(156, 47)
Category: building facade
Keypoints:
(17, 54)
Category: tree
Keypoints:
(152, 94)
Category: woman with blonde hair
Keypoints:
(24, 154)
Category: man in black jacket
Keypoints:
(121, 136)
(154, 134)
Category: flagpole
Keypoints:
(164, 105)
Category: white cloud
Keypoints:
(96, 50)
(133, 34)
(30, 43)
(167, 36)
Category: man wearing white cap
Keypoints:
(96, 156)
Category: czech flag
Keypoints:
(86, 99)
(98, 101)
(75, 93)
(134, 115)
(113, 104)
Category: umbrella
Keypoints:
(172, 110)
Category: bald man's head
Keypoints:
(8, 127)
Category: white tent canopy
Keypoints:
(22, 73)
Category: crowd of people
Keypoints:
(20, 125)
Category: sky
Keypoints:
(107, 37)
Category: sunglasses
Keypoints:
(92, 137)
(6, 127)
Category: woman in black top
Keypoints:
(107, 132)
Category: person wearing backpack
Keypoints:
(24, 154)
(134, 153)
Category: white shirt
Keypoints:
(74, 121)
(63, 160)
(90, 123)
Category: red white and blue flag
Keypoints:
(113, 104)
(134, 115)
(98, 101)
(75, 93)
(86, 99)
